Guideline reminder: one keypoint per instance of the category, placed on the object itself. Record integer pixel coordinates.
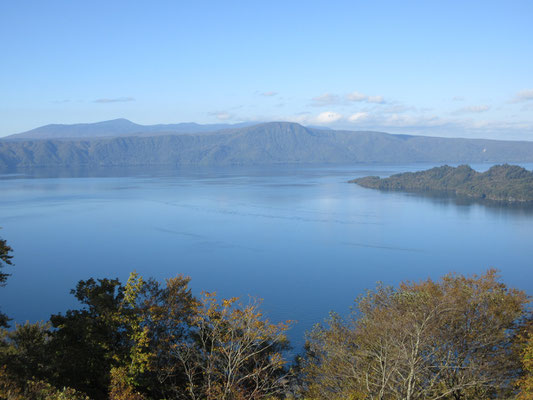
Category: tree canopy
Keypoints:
(449, 339)
(455, 338)
(5, 259)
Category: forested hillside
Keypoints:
(264, 144)
(501, 183)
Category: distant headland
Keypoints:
(501, 183)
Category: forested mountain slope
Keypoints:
(269, 143)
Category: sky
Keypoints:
(437, 68)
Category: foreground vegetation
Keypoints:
(456, 338)
(501, 183)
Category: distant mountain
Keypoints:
(117, 127)
(269, 143)
(501, 183)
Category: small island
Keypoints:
(501, 183)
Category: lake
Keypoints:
(299, 237)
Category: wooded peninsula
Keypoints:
(501, 183)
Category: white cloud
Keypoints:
(326, 99)
(412, 121)
(527, 107)
(397, 108)
(328, 117)
(356, 97)
(331, 99)
(224, 116)
(376, 99)
(523, 95)
(221, 115)
(417, 123)
(114, 100)
(458, 98)
(268, 94)
(358, 116)
(473, 109)
(300, 118)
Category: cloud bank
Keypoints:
(331, 99)
(523, 95)
(114, 100)
(472, 109)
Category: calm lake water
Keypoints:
(300, 238)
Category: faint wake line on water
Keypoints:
(224, 245)
(205, 242)
(303, 210)
(180, 233)
(268, 216)
(372, 246)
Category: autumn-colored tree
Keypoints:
(234, 352)
(168, 313)
(35, 390)
(121, 387)
(329, 366)
(525, 382)
(124, 376)
(155, 318)
(449, 339)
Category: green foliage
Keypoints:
(34, 390)
(501, 183)
(5, 259)
(24, 352)
(86, 343)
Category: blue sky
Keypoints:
(440, 68)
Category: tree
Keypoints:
(168, 313)
(88, 342)
(23, 353)
(525, 382)
(118, 345)
(155, 318)
(234, 353)
(35, 390)
(5, 259)
(449, 339)
(329, 368)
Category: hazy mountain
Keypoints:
(269, 143)
(117, 127)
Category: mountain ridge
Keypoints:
(114, 128)
(261, 144)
